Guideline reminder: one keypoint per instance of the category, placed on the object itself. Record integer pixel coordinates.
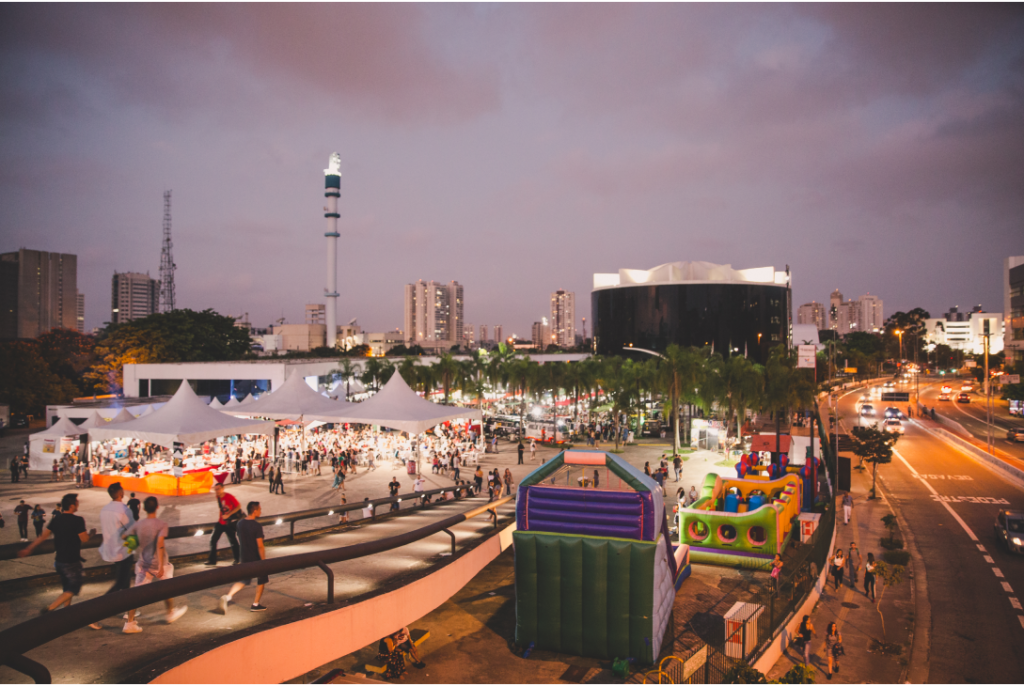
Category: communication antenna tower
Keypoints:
(167, 265)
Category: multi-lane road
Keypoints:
(949, 501)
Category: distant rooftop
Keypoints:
(690, 272)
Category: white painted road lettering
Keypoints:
(948, 477)
(981, 500)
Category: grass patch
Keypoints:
(727, 463)
(896, 557)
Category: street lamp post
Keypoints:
(899, 363)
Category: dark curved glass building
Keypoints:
(735, 311)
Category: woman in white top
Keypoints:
(838, 567)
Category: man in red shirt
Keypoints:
(230, 513)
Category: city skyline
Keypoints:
(838, 140)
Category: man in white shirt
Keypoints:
(417, 485)
(115, 519)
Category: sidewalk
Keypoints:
(855, 615)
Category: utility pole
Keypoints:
(990, 440)
(167, 265)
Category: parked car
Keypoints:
(963, 398)
(1009, 530)
(893, 425)
(1015, 434)
(19, 421)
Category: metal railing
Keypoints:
(10, 550)
(18, 640)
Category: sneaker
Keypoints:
(256, 607)
(224, 600)
(97, 627)
(138, 614)
(174, 614)
(131, 628)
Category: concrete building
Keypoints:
(433, 316)
(541, 334)
(864, 314)
(834, 301)
(133, 296)
(38, 293)
(469, 335)
(811, 313)
(1013, 307)
(316, 313)
(966, 330)
(483, 334)
(869, 313)
(80, 317)
(381, 343)
(563, 318)
(498, 333)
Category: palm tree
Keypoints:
(680, 371)
(618, 379)
(785, 388)
(521, 375)
(448, 372)
(735, 384)
(376, 372)
(347, 371)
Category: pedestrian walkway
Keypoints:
(854, 613)
(109, 656)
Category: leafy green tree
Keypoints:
(681, 371)
(798, 674)
(875, 447)
(27, 383)
(785, 387)
(522, 376)
(377, 372)
(1013, 391)
(889, 575)
(448, 372)
(743, 673)
(177, 336)
(347, 371)
(69, 354)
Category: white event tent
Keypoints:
(63, 428)
(123, 416)
(216, 404)
(294, 400)
(183, 419)
(92, 422)
(397, 406)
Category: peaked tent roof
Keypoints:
(295, 400)
(63, 427)
(232, 402)
(216, 403)
(92, 422)
(123, 416)
(148, 411)
(248, 400)
(183, 419)
(399, 407)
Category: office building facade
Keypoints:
(1013, 308)
(38, 293)
(433, 314)
(811, 313)
(133, 296)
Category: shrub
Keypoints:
(896, 557)
(743, 673)
(891, 543)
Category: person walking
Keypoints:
(853, 561)
(69, 534)
(520, 450)
(230, 513)
(847, 508)
(478, 479)
(115, 520)
(869, 577)
(279, 481)
(251, 534)
(393, 489)
(153, 561)
(273, 487)
(15, 470)
(494, 444)
(23, 511)
(838, 567)
(508, 481)
(833, 648)
(38, 519)
(533, 450)
(806, 633)
(677, 465)
(134, 504)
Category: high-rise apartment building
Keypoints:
(316, 313)
(433, 314)
(864, 314)
(80, 317)
(498, 333)
(133, 296)
(483, 334)
(1013, 308)
(811, 313)
(563, 318)
(541, 334)
(38, 292)
(469, 335)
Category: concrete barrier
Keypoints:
(789, 629)
(286, 652)
(951, 424)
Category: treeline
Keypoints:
(63, 364)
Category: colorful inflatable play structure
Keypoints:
(596, 570)
(741, 522)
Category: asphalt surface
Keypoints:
(971, 416)
(950, 501)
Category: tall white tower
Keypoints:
(332, 191)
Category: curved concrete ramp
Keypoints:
(288, 651)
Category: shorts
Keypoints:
(70, 576)
(260, 580)
(144, 576)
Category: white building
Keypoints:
(483, 334)
(869, 313)
(498, 332)
(563, 318)
(541, 334)
(433, 314)
(966, 331)
(133, 296)
(811, 313)
(316, 313)
(1013, 307)
(863, 314)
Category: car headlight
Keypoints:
(1016, 540)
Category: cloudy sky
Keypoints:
(516, 149)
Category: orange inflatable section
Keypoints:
(160, 484)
